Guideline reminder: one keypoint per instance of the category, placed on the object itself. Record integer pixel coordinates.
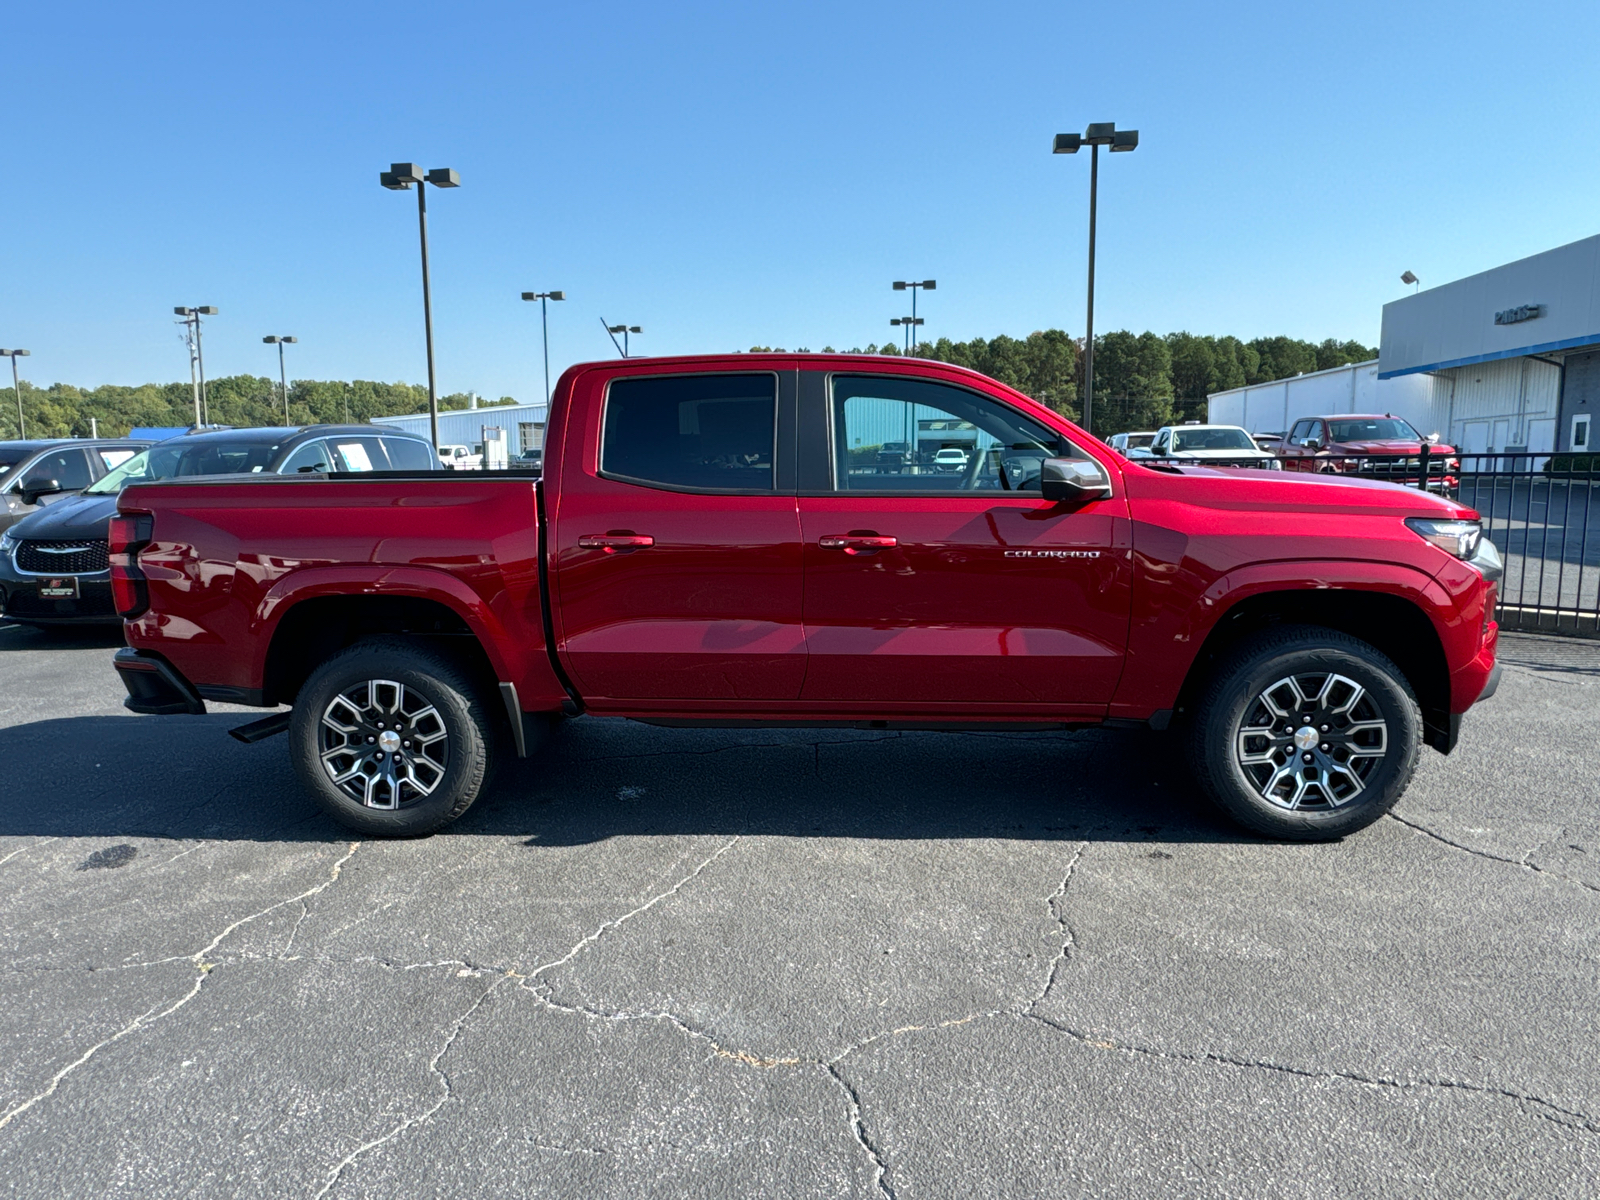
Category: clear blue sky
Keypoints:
(731, 174)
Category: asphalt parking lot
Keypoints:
(744, 963)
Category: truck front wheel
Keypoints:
(1306, 734)
(391, 738)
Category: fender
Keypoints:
(1160, 654)
(530, 672)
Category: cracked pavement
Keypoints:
(790, 963)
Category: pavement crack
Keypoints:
(1523, 863)
(150, 1016)
(858, 1127)
(447, 1090)
(618, 922)
(1057, 904)
(25, 849)
(1542, 1108)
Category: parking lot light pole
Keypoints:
(624, 330)
(544, 320)
(197, 358)
(13, 355)
(1105, 133)
(904, 285)
(283, 377)
(908, 322)
(399, 178)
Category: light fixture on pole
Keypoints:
(925, 285)
(1409, 277)
(13, 355)
(908, 322)
(1120, 140)
(399, 178)
(197, 359)
(544, 320)
(283, 376)
(624, 330)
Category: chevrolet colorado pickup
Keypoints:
(718, 541)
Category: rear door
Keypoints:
(676, 540)
(935, 591)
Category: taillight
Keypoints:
(129, 534)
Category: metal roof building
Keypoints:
(523, 425)
(1514, 352)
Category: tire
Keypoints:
(1368, 733)
(378, 692)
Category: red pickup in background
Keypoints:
(724, 539)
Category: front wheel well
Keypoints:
(1391, 624)
(314, 630)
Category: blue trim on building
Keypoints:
(1544, 348)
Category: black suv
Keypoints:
(54, 568)
(33, 473)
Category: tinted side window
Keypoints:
(69, 468)
(711, 432)
(407, 455)
(307, 458)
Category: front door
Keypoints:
(945, 582)
(677, 545)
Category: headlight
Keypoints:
(7, 543)
(1457, 538)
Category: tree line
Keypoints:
(62, 410)
(1141, 381)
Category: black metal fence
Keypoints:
(1542, 512)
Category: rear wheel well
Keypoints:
(314, 630)
(1391, 624)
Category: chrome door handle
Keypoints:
(857, 543)
(613, 543)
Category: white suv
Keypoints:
(951, 458)
(460, 458)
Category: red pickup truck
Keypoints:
(721, 541)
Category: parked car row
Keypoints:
(60, 497)
(1373, 446)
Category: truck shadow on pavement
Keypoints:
(184, 778)
(60, 637)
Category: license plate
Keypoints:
(59, 589)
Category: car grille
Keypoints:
(1260, 464)
(1385, 466)
(81, 557)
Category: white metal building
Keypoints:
(1275, 407)
(1514, 351)
(523, 425)
(1505, 361)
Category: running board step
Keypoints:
(258, 731)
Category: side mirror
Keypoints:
(1073, 480)
(1312, 444)
(32, 489)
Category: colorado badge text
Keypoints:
(1052, 554)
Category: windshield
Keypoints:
(1216, 437)
(1140, 441)
(1379, 429)
(181, 457)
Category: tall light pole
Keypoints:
(398, 178)
(1105, 133)
(13, 355)
(901, 285)
(544, 320)
(191, 318)
(624, 330)
(283, 376)
(908, 322)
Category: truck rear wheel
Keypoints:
(391, 738)
(1307, 734)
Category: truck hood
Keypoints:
(1204, 455)
(1386, 448)
(75, 517)
(1314, 492)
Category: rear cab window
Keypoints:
(704, 433)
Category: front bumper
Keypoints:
(155, 686)
(20, 601)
